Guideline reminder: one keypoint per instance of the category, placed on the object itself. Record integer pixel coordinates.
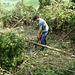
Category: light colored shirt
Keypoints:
(43, 25)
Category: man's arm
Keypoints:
(40, 35)
(40, 28)
(40, 32)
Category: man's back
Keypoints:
(43, 25)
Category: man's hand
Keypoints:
(40, 35)
(40, 32)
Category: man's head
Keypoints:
(36, 18)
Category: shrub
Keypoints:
(11, 48)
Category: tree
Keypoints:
(73, 1)
(43, 3)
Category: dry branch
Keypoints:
(49, 47)
(66, 35)
(30, 71)
(19, 21)
(21, 66)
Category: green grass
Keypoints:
(33, 3)
(6, 6)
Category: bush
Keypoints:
(61, 19)
(11, 48)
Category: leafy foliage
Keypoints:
(43, 3)
(11, 48)
(60, 18)
(73, 0)
(21, 10)
(72, 6)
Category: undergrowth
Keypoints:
(48, 62)
(11, 48)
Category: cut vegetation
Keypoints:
(19, 47)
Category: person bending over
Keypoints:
(43, 29)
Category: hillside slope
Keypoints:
(9, 4)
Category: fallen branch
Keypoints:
(19, 21)
(21, 66)
(66, 35)
(30, 71)
(49, 47)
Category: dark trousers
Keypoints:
(43, 39)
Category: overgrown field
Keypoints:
(32, 60)
(19, 46)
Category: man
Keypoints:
(43, 29)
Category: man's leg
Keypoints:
(43, 39)
(47, 32)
